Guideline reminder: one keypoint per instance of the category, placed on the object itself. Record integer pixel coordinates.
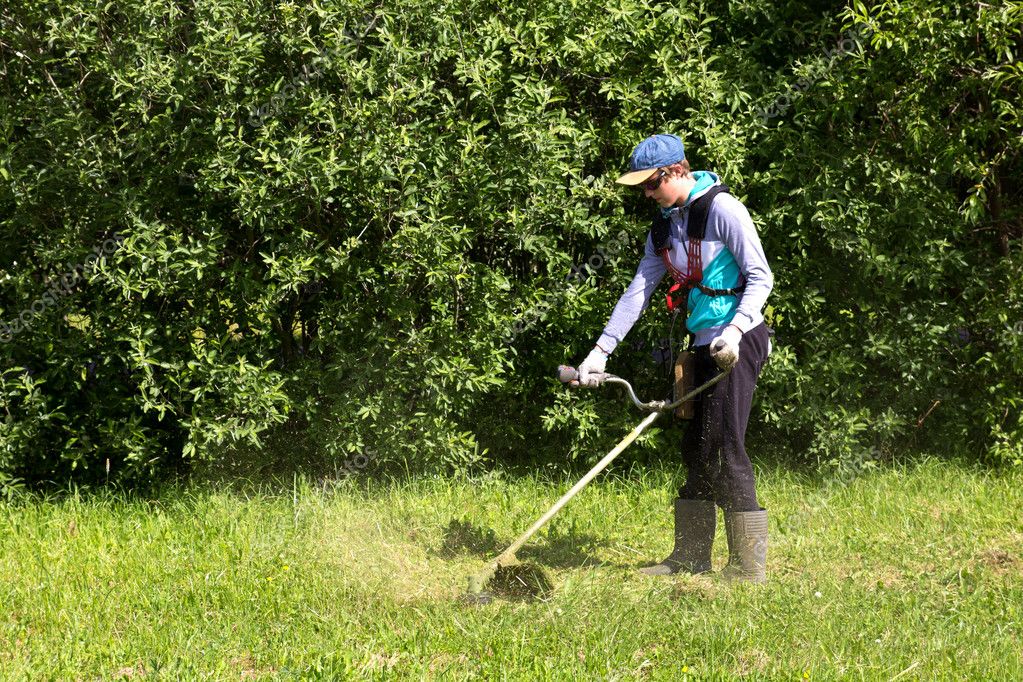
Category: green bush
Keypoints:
(367, 225)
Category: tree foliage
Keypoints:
(373, 230)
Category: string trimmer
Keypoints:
(509, 568)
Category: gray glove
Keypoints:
(592, 367)
(725, 348)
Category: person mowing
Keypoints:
(705, 238)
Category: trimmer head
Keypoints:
(514, 580)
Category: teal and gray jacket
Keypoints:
(732, 254)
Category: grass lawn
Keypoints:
(903, 573)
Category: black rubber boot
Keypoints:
(694, 537)
(747, 546)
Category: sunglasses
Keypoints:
(654, 182)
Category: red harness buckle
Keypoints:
(676, 298)
(678, 294)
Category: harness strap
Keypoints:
(734, 291)
(696, 229)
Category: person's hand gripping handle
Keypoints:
(724, 349)
(592, 369)
(570, 375)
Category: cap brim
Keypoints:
(636, 177)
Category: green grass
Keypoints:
(908, 573)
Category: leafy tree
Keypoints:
(372, 231)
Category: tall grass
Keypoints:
(908, 573)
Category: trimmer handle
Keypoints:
(567, 374)
(570, 375)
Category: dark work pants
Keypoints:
(714, 445)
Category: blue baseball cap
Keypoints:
(652, 153)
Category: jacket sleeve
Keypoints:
(740, 236)
(635, 299)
